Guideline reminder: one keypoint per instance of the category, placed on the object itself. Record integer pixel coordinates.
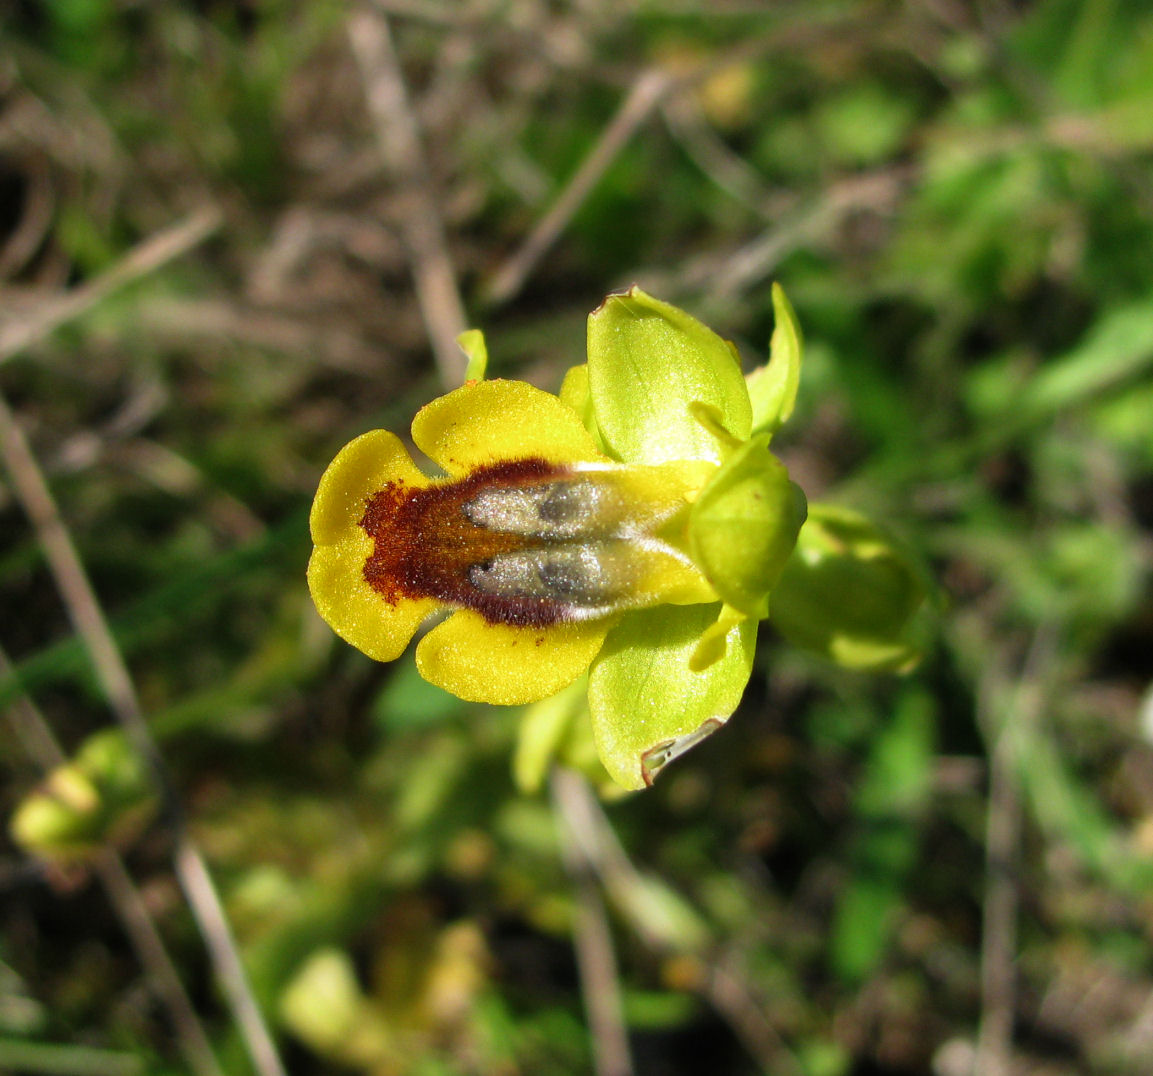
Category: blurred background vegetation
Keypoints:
(229, 233)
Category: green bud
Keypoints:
(850, 593)
(103, 796)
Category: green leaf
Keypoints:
(669, 919)
(863, 123)
(898, 775)
(850, 593)
(892, 795)
(648, 704)
(32, 1056)
(1070, 812)
(1117, 351)
(648, 362)
(472, 343)
(409, 703)
(744, 525)
(324, 1002)
(773, 387)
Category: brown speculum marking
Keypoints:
(522, 542)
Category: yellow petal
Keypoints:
(356, 612)
(505, 665)
(485, 421)
(360, 469)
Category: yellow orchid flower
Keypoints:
(633, 526)
(535, 538)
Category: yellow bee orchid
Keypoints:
(632, 527)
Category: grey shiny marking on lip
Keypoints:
(554, 511)
(589, 577)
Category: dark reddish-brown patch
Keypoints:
(424, 544)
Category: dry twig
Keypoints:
(21, 333)
(651, 90)
(1007, 716)
(592, 938)
(402, 155)
(646, 93)
(722, 985)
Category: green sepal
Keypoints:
(851, 593)
(471, 342)
(773, 387)
(647, 363)
(103, 796)
(744, 524)
(648, 704)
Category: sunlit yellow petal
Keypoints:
(356, 612)
(499, 420)
(360, 469)
(504, 665)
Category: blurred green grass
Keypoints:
(958, 202)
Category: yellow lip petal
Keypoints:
(356, 612)
(507, 666)
(360, 469)
(485, 421)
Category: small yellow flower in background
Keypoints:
(632, 527)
